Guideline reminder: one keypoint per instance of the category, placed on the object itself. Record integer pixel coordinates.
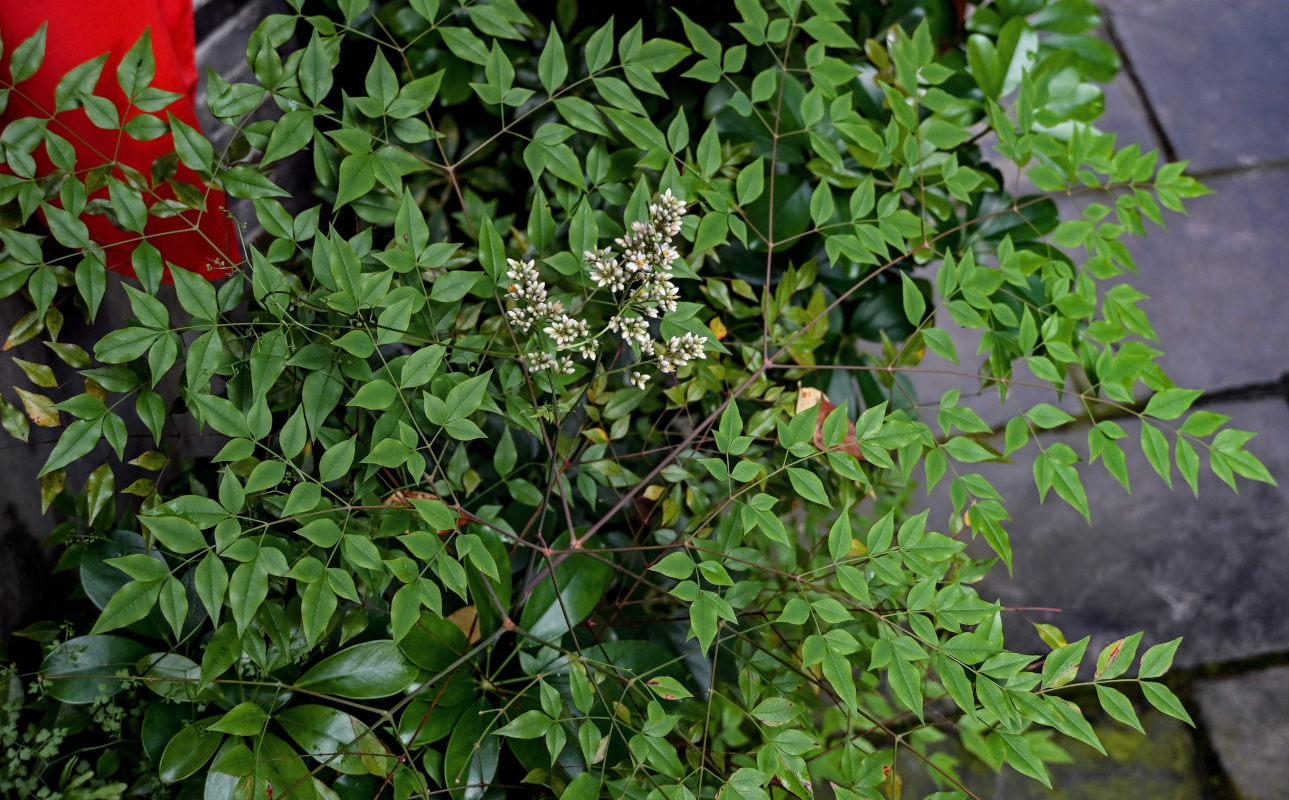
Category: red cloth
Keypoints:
(79, 30)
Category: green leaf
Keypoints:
(247, 590)
(528, 725)
(967, 450)
(335, 463)
(125, 344)
(195, 294)
(176, 533)
(914, 302)
(28, 55)
(677, 565)
(78, 82)
(357, 178)
(1162, 698)
(585, 786)
(329, 735)
(808, 485)
(222, 415)
(906, 681)
(1021, 755)
(137, 67)
(751, 181)
(291, 134)
(1159, 659)
(552, 66)
(244, 719)
(1118, 706)
(1045, 415)
(194, 149)
(315, 70)
(451, 287)
(363, 672)
(188, 752)
(599, 48)
(465, 45)
(581, 582)
(74, 670)
(668, 688)
(210, 580)
(1062, 664)
(248, 184)
(1155, 447)
(492, 251)
(1171, 403)
(128, 605)
(77, 440)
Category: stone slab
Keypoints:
(1247, 720)
(1209, 569)
(1125, 114)
(1214, 73)
(1218, 283)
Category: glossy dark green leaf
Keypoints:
(188, 752)
(582, 581)
(362, 672)
(82, 669)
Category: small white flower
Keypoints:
(638, 379)
(590, 349)
(635, 329)
(566, 329)
(566, 365)
(540, 361)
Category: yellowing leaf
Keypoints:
(40, 374)
(50, 485)
(39, 408)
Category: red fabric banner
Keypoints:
(78, 30)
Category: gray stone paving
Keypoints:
(1247, 717)
(1215, 73)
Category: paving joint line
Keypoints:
(1239, 169)
(1130, 71)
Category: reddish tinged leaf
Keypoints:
(806, 398)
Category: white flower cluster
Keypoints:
(677, 351)
(643, 272)
(530, 290)
(640, 277)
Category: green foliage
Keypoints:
(527, 478)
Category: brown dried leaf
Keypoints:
(810, 398)
(467, 619)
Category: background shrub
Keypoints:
(484, 518)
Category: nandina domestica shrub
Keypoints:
(566, 442)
